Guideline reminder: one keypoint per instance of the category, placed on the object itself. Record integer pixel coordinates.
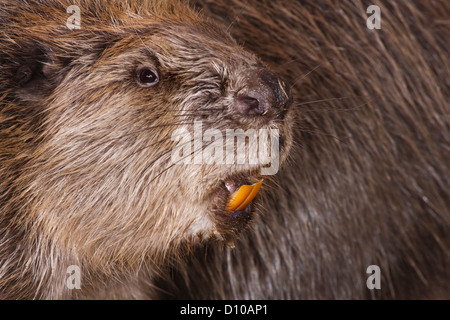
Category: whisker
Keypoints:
(237, 16)
(332, 109)
(202, 148)
(135, 132)
(173, 164)
(307, 74)
(159, 142)
(286, 63)
(322, 134)
(321, 100)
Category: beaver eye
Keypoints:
(147, 76)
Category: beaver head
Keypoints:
(90, 119)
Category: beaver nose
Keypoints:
(264, 94)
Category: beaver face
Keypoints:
(106, 180)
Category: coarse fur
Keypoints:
(367, 182)
(86, 176)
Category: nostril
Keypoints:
(263, 93)
(250, 102)
(248, 105)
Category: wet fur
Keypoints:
(86, 176)
(368, 179)
(366, 182)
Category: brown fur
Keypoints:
(85, 171)
(84, 174)
(368, 180)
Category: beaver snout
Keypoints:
(264, 94)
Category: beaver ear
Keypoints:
(35, 72)
(41, 64)
(27, 66)
(35, 69)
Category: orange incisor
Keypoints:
(240, 199)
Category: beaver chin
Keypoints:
(229, 224)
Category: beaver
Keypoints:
(92, 205)
(367, 181)
(86, 121)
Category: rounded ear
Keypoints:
(29, 71)
(33, 68)
(29, 66)
(24, 69)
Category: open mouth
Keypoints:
(241, 196)
(233, 203)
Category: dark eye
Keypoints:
(147, 76)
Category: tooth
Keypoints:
(239, 196)
(242, 197)
(251, 196)
(231, 185)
